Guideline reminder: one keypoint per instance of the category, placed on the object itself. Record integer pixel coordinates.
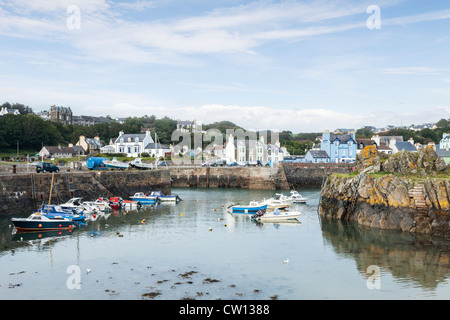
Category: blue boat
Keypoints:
(252, 208)
(39, 222)
(53, 211)
(165, 198)
(144, 198)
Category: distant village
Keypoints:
(339, 146)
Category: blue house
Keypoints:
(339, 147)
(317, 156)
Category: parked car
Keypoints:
(243, 163)
(46, 167)
(206, 164)
(253, 163)
(163, 164)
(265, 163)
(232, 164)
(220, 163)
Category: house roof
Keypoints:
(67, 150)
(133, 136)
(343, 138)
(405, 145)
(318, 153)
(156, 146)
(365, 143)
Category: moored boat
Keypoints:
(297, 197)
(273, 204)
(144, 198)
(165, 198)
(276, 215)
(251, 208)
(39, 222)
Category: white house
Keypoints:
(4, 111)
(157, 150)
(133, 144)
(445, 141)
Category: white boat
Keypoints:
(115, 164)
(102, 204)
(297, 197)
(276, 215)
(274, 204)
(284, 199)
(137, 163)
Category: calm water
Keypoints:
(196, 250)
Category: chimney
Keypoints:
(411, 140)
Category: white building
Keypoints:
(4, 111)
(132, 144)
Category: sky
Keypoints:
(303, 66)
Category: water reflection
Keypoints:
(420, 259)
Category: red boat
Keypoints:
(119, 203)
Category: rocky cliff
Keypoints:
(407, 191)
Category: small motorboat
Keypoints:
(138, 164)
(165, 198)
(119, 203)
(297, 197)
(144, 198)
(274, 204)
(284, 199)
(54, 211)
(39, 222)
(77, 203)
(252, 207)
(276, 215)
(115, 164)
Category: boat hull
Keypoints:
(30, 225)
(248, 209)
(284, 216)
(144, 201)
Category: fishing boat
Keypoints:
(160, 196)
(115, 164)
(144, 198)
(102, 204)
(252, 207)
(138, 164)
(297, 197)
(40, 222)
(276, 215)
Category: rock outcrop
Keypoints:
(407, 191)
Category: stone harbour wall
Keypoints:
(24, 192)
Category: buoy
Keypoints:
(40, 225)
(210, 229)
(225, 225)
(218, 219)
(181, 214)
(60, 225)
(214, 209)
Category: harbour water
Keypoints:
(197, 250)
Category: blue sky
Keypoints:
(304, 66)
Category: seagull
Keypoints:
(88, 271)
(286, 261)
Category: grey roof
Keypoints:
(132, 136)
(156, 146)
(343, 138)
(318, 153)
(443, 152)
(405, 145)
